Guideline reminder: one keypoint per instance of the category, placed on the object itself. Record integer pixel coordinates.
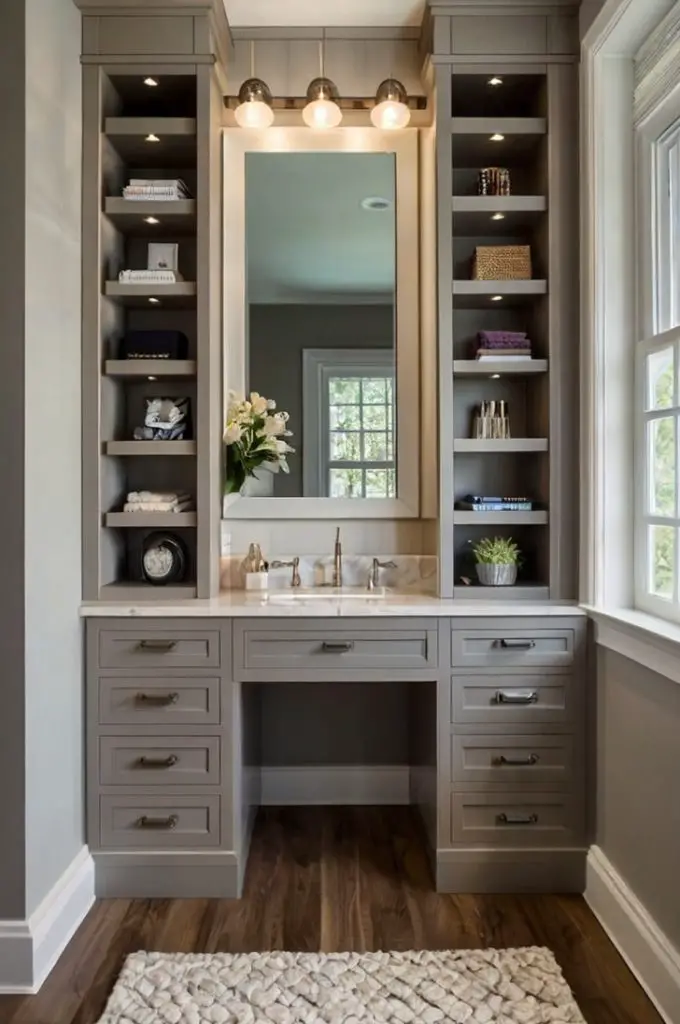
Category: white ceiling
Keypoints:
(328, 13)
(307, 237)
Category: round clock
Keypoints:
(164, 559)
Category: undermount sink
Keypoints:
(326, 594)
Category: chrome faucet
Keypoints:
(337, 560)
(294, 564)
(374, 574)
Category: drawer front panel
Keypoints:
(165, 648)
(512, 699)
(514, 759)
(318, 650)
(159, 761)
(512, 647)
(147, 701)
(514, 818)
(159, 822)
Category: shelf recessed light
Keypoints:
(152, 138)
(151, 82)
(496, 298)
(497, 137)
(495, 81)
(494, 376)
(156, 378)
(151, 220)
(498, 216)
(154, 301)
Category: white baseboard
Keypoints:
(337, 784)
(29, 949)
(648, 952)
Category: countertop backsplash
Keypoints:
(414, 573)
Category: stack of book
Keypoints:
(501, 345)
(163, 189)
(147, 277)
(477, 503)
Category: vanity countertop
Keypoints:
(240, 604)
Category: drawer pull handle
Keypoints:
(517, 645)
(158, 762)
(158, 823)
(337, 646)
(158, 646)
(162, 700)
(517, 762)
(517, 819)
(516, 697)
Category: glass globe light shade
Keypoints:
(391, 107)
(322, 111)
(255, 105)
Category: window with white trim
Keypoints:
(657, 531)
(349, 448)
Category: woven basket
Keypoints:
(502, 263)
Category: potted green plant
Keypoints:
(497, 561)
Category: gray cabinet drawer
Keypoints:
(515, 818)
(159, 761)
(166, 647)
(147, 701)
(513, 698)
(512, 759)
(159, 822)
(525, 647)
(328, 652)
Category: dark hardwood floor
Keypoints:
(335, 879)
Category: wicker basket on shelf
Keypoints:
(502, 263)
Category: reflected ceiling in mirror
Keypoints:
(321, 282)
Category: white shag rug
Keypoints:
(488, 986)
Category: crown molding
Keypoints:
(523, 7)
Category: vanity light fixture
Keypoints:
(498, 216)
(496, 298)
(391, 105)
(154, 301)
(151, 220)
(151, 82)
(497, 137)
(495, 81)
(152, 138)
(255, 100)
(322, 110)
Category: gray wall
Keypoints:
(277, 337)
(40, 645)
(638, 769)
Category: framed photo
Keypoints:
(163, 256)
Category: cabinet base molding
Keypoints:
(648, 952)
(166, 875)
(480, 870)
(335, 784)
(29, 949)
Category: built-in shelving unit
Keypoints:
(524, 122)
(165, 130)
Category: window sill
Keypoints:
(646, 639)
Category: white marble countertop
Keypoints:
(242, 604)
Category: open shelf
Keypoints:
(176, 145)
(134, 369)
(473, 215)
(174, 216)
(491, 367)
(479, 294)
(519, 592)
(150, 520)
(181, 295)
(468, 518)
(472, 145)
(164, 448)
(493, 447)
(128, 591)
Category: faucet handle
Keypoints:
(294, 564)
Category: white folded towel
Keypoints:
(139, 497)
(158, 506)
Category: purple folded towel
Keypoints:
(502, 339)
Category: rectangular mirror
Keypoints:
(325, 306)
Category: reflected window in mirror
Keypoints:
(321, 321)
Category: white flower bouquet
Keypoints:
(253, 436)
